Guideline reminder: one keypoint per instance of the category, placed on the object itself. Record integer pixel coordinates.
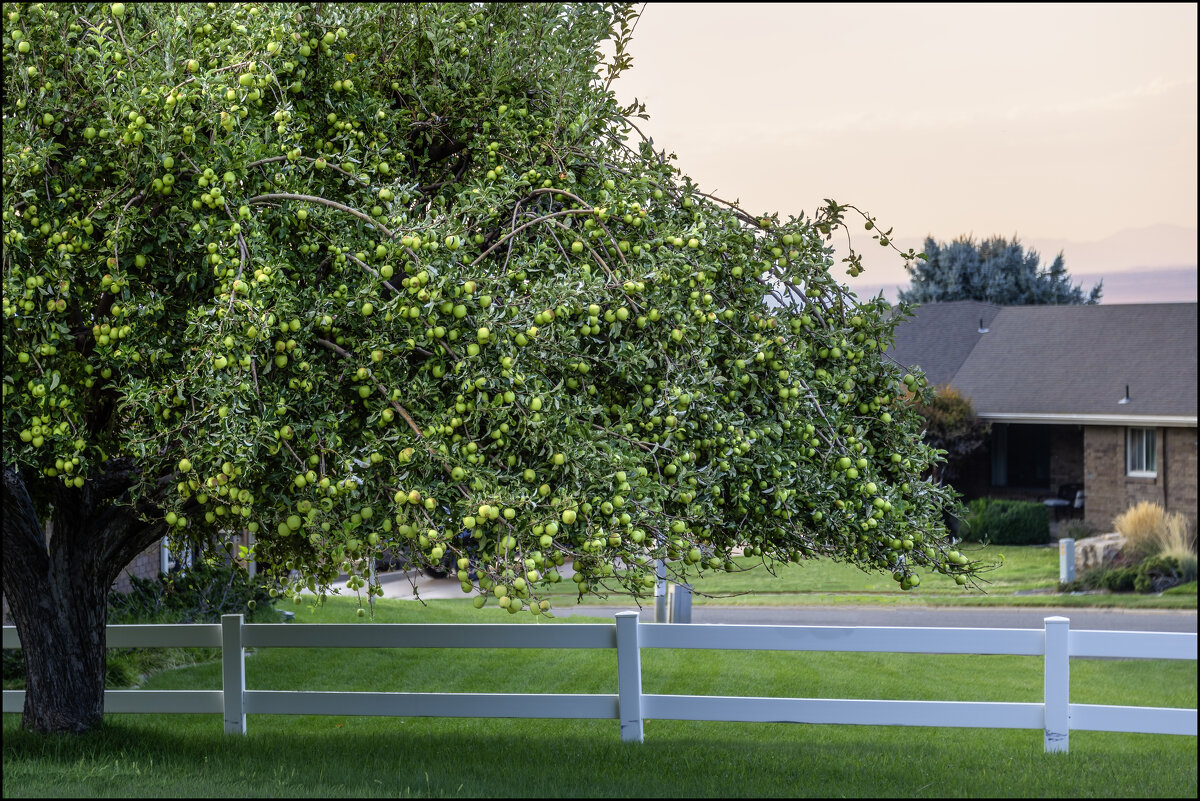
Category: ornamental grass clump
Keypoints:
(1177, 540)
(1141, 525)
(1150, 531)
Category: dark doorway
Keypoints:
(1020, 456)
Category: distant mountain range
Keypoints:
(1154, 264)
(1151, 248)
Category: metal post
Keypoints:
(681, 609)
(251, 564)
(1066, 560)
(371, 586)
(233, 673)
(660, 592)
(629, 677)
(1057, 691)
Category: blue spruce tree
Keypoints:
(995, 271)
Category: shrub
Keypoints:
(1187, 566)
(1115, 578)
(200, 594)
(951, 425)
(1119, 579)
(14, 669)
(1007, 522)
(1157, 574)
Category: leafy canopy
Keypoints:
(994, 271)
(405, 279)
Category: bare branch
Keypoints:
(333, 204)
(345, 354)
(515, 231)
(335, 168)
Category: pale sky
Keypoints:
(1071, 126)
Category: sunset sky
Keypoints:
(1071, 126)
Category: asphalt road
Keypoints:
(951, 617)
(399, 586)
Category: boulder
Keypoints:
(1096, 551)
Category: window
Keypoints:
(1141, 458)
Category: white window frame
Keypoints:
(1141, 452)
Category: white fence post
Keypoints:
(629, 677)
(233, 674)
(1057, 692)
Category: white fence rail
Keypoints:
(1055, 715)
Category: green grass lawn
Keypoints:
(188, 755)
(1028, 576)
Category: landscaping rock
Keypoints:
(1096, 551)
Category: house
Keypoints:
(1100, 397)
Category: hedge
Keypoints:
(1007, 522)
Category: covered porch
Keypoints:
(1031, 462)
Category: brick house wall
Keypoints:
(1066, 456)
(146, 565)
(1110, 491)
(1180, 451)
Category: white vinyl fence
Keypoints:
(1055, 715)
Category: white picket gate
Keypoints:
(1055, 715)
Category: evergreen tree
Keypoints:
(994, 271)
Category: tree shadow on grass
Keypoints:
(369, 756)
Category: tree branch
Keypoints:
(340, 351)
(274, 159)
(515, 231)
(333, 204)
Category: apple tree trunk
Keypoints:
(57, 585)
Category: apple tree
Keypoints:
(406, 279)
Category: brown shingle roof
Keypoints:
(1063, 359)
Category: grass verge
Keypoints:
(1025, 576)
